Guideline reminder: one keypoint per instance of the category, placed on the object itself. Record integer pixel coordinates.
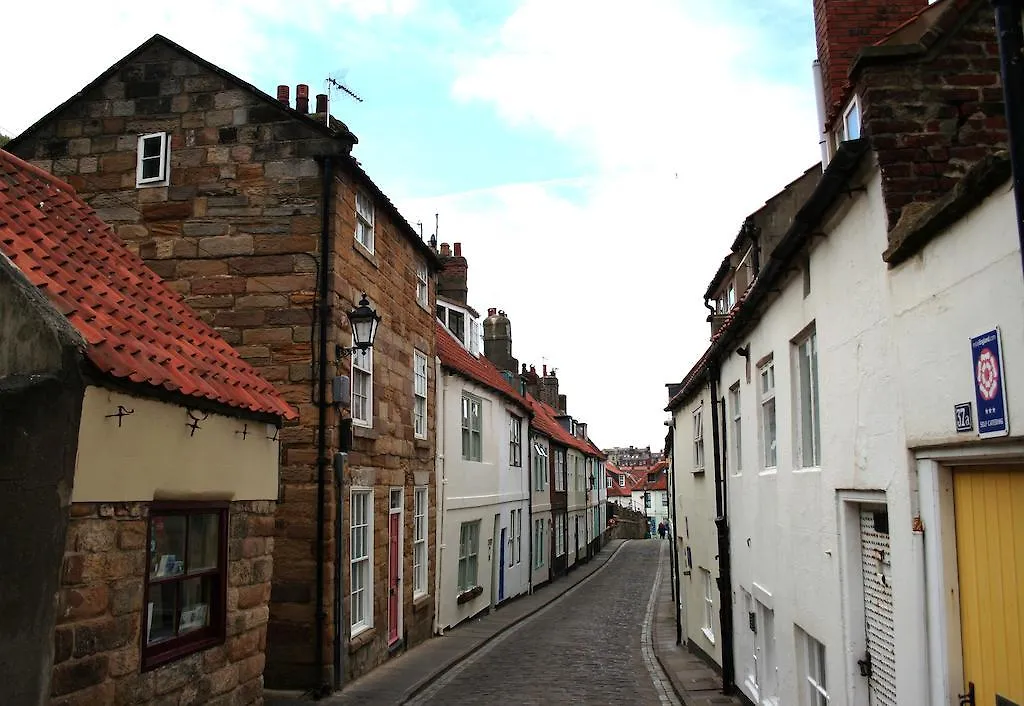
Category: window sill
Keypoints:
(769, 471)
(365, 252)
(422, 444)
(364, 432)
(361, 638)
(469, 594)
(698, 471)
(183, 650)
(709, 635)
(420, 602)
(808, 469)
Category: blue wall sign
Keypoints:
(989, 384)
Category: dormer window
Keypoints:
(849, 128)
(730, 297)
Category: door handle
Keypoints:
(865, 666)
(968, 698)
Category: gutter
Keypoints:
(722, 525)
(1011, 46)
(322, 462)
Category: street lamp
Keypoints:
(364, 321)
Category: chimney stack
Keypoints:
(498, 341)
(452, 279)
(321, 103)
(562, 403)
(302, 98)
(284, 94)
(843, 27)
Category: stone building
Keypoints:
(140, 461)
(234, 197)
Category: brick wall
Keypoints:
(237, 232)
(929, 120)
(100, 608)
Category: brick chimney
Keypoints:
(531, 380)
(498, 340)
(321, 103)
(284, 94)
(302, 98)
(844, 27)
(452, 279)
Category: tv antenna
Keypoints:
(335, 81)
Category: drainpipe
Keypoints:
(722, 525)
(529, 517)
(440, 482)
(1011, 56)
(321, 442)
(676, 581)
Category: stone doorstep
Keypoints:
(475, 634)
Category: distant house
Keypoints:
(140, 460)
(255, 209)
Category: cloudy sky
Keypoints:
(594, 158)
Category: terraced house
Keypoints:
(256, 211)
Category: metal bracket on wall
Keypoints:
(194, 424)
(121, 413)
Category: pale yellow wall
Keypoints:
(152, 455)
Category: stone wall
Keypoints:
(237, 233)
(97, 640)
(625, 523)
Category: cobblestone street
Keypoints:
(591, 647)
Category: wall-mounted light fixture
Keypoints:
(364, 321)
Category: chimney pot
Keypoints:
(533, 369)
(545, 368)
(321, 102)
(446, 251)
(458, 249)
(284, 94)
(492, 311)
(302, 98)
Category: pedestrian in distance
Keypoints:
(661, 530)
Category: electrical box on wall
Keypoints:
(341, 391)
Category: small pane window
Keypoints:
(769, 433)
(420, 395)
(361, 551)
(185, 581)
(422, 287)
(515, 443)
(469, 541)
(419, 541)
(362, 387)
(152, 162)
(364, 220)
(472, 428)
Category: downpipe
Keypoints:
(1011, 58)
(722, 527)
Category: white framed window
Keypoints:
(515, 441)
(560, 534)
(622, 480)
(469, 547)
(538, 543)
(709, 605)
(361, 538)
(419, 412)
(808, 417)
(765, 664)
(814, 670)
(472, 428)
(419, 542)
(730, 296)
(474, 336)
(519, 535)
(422, 284)
(540, 467)
(737, 428)
(362, 387)
(560, 470)
(364, 220)
(153, 160)
(851, 120)
(769, 433)
(698, 439)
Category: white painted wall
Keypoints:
(487, 491)
(695, 530)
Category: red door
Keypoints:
(394, 587)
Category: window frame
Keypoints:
(766, 397)
(708, 628)
(366, 623)
(515, 441)
(357, 366)
(808, 400)
(467, 552)
(419, 416)
(735, 405)
(420, 541)
(423, 284)
(172, 649)
(698, 439)
(560, 470)
(538, 539)
(815, 670)
(164, 160)
(365, 221)
(540, 467)
(469, 453)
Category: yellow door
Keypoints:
(989, 504)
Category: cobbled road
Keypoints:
(589, 647)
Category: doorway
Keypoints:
(395, 566)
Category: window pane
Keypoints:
(167, 545)
(160, 611)
(203, 533)
(150, 167)
(195, 603)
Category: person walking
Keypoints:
(661, 530)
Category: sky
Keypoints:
(594, 158)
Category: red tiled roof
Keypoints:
(477, 368)
(544, 421)
(137, 328)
